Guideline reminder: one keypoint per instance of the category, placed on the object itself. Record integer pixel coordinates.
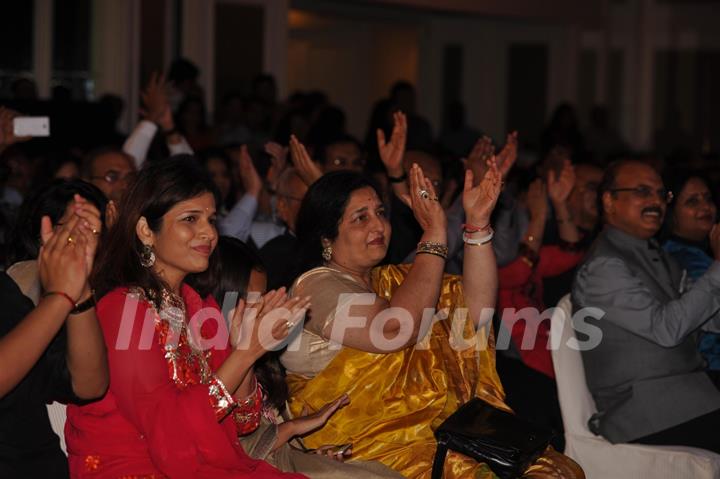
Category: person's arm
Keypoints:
(177, 144)
(307, 169)
(559, 189)
(608, 284)
(22, 347)
(308, 423)
(179, 425)
(537, 205)
(7, 131)
(480, 280)
(392, 153)
(86, 353)
(63, 270)
(138, 143)
(419, 290)
(238, 221)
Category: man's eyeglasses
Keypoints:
(289, 197)
(113, 177)
(644, 193)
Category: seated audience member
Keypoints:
(688, 222)
(397, 393)
(68, 169)
(278, 254)
(54, 352)
(341, 153)
(179, 394)
(219, 166)
(523, 318)
(110, 170)
(191, 122)
(236, 269)
(645, 372)
(583, 210)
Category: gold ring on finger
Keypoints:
(424, 194)
(70, 240)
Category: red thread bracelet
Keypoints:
(60, 293)
(468, 228)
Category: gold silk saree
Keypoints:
(398, 399)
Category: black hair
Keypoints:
(220, 154)
(181, 70)
(608, 182)
(229, 271)
(322, 147)
(51, 201)
(157, 188)
(321, 210)
(92, 155)
(676, 181)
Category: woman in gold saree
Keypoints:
(367, 333)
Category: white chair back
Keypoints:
(576, 402)
(58, 415)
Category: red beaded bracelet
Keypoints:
(60, 293)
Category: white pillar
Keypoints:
(198, 43)
(115, 53)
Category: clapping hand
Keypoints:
(245, 170)
(156, 107)
(392, 152)
(479, 199)
(274, 311)
(278, 161)
(425, 204)
(308, 170)
(65, 258)
(560, 186)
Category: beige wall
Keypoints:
(354, 62)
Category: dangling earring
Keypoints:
(147, 256)
(327, 253)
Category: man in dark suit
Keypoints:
(646, 374)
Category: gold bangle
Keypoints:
(438, 249)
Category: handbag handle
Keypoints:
(439, 461)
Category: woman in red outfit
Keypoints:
(179, 395)
(521, 281)
(530, 382)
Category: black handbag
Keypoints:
(500, 439)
